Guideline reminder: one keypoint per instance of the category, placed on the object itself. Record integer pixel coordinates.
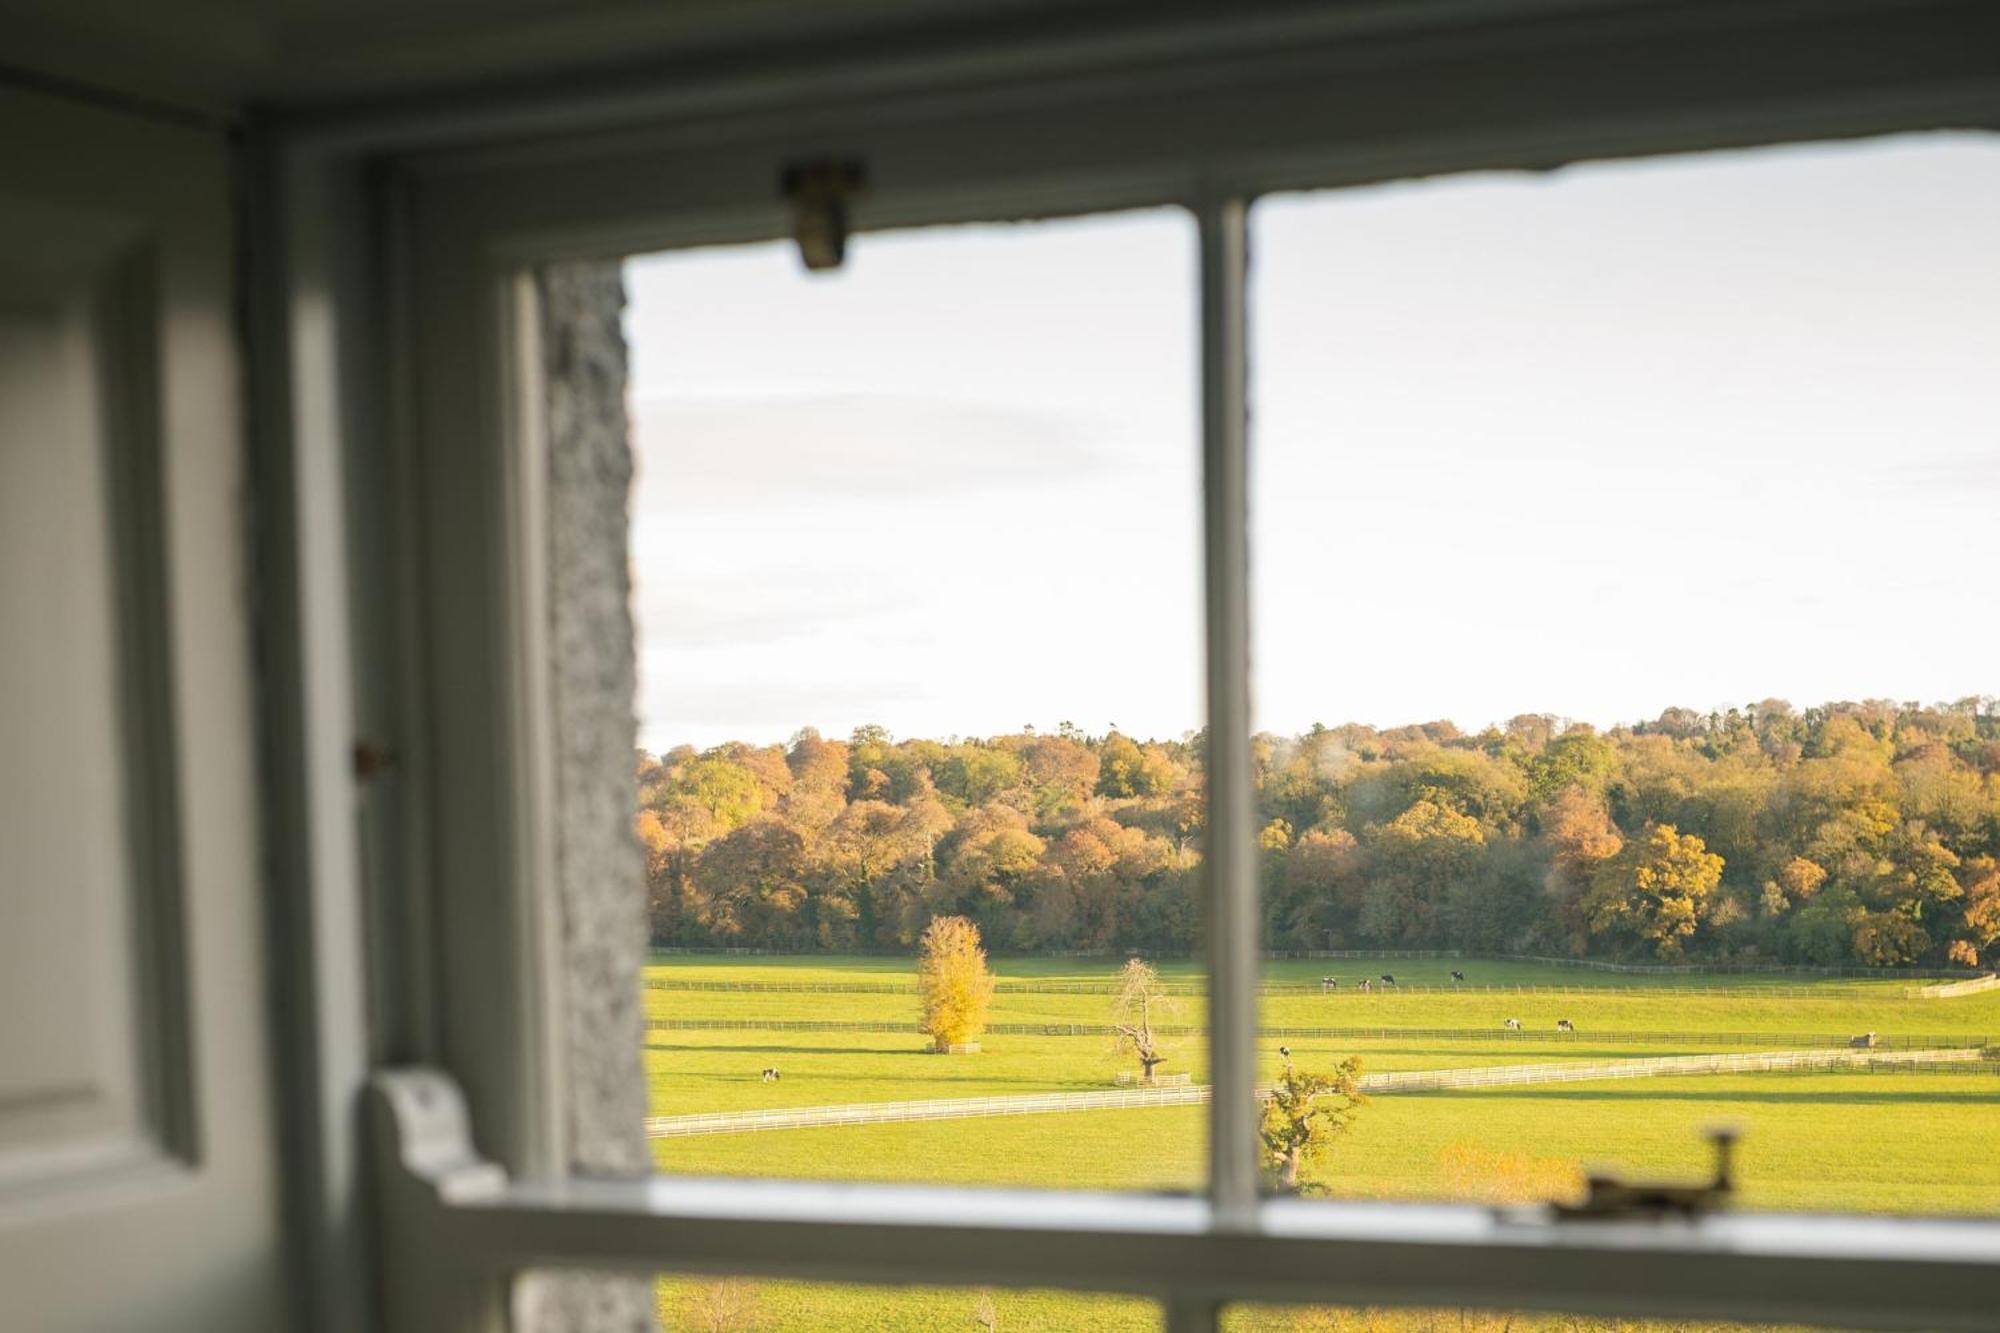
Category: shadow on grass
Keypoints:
(897, 1091)
(772, 1049)
(1514, 1054)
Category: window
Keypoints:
(1291, 107)
(916, 550)
(1540, 462)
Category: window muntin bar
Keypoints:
(1231, 871)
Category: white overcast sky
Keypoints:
(1693, 431)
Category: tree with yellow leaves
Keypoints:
(953, 981)
(1654, 890)
(1303, 1115)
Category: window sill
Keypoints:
(1856, 1271)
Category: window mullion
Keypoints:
(1190, 1315)
(1229, 853)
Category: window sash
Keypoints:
(1206, 114)
(1187, 1251)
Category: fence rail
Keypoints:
(1951, 988)
(1406, 1081)
(1652, 969)
(1889, 1042)
(1585, 964)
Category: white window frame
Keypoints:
(408, 234)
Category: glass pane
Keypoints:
(916, 551)
(1623, 543)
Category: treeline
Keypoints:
(1852, 833)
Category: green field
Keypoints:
(1913, 1142)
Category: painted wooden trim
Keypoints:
(475, 192)
(1854, 1272)
(1234, 924)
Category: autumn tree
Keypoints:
(751, 885)
(819, 770)
(1140, 1001)
(974, 775)
(1796, 882)
(1314, 892)
(1654, 890)
(953, 982)
(1850, 832)
(1119, 761)
(1889, 939)
(1980, 926)
(1580, 837)
(1579, 759)
(1061, 773)
(993, 851)
(1304, 1114)
(1419, 855)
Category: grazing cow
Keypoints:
(770, 1076)
(1458, 976)
(1388, 980)
(1863, 1042)
(1329, 983)
(1514, 1024)
(1564, 1025)
(1364, 983)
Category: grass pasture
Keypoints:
(1912, 1142)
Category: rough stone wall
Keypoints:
(599, 867)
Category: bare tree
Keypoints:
(1141, 1001)
(985, 1313)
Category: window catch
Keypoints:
(819, 193)
(372, 759)
(1608, 1197)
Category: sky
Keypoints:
(1692, 431)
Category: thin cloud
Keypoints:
(751, 611)
(724, 453)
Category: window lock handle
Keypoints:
(1608, 1196)
(819, 192)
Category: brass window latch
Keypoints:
(372, 759)
(1607, 1196)
(820, 192)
